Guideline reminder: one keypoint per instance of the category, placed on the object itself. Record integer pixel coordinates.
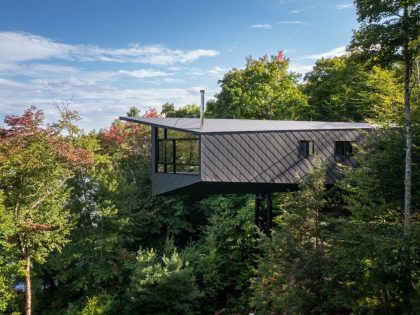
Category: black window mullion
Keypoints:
(166, 161)
(165, 136)
(174, 154)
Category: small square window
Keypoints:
(343, 148)
(306, 148)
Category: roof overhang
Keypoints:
(212, 125)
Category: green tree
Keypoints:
(389, 33)
(223, 259)
(35, 166)
(97, 305)
(154, 218)
(163, 285)
(98, 258)
(10, 269)
(343, 89)
(114, 214)
(376, 269)
(168, 109)
(133, 112)
(290, 277)
(187, 111)
(263, 90)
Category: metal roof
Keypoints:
(212, 125)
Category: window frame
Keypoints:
(170, 166)
(307, 152)
(340, 148)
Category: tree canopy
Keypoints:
(81, 230)
(390, 33)
(342, 89)
(265, 89)
(35, 165)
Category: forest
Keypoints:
(81, 233)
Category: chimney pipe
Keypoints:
(202, 109)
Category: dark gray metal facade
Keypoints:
(270, 157)
(250, 161)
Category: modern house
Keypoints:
(244, 156)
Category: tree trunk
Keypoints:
(407, 179)
(28, 296)
(408, 144)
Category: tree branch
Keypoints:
(42, 199)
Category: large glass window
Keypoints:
(177, 152)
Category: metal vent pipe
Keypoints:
(202, 109)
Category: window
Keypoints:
(176, 152)
(344, 148)
(306, 148)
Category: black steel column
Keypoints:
(257, 209)
(269, 214)
(264, 212)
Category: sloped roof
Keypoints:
(212, 125)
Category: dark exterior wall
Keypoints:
(163, 183)
(269, 157)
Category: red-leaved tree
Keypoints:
(36, 161)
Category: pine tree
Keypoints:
(290, 277)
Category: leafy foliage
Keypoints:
(223, 260)
(290, 276)
(341, 89)
(263, 90)
(10, 270)
(81, 206)
(187, 111)
(376, 265)
(390, 33)
(163, 285)
(386, 29)
(35, 166)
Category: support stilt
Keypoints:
(264, 212)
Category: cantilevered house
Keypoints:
(244, 156)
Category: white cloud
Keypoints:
(295, 11)
(300, 68)
(262, 26)
(50, 71)
(37, 69)
(11, 84)
(144, 73)
(216, 70)
(336, 52)
(94, 96)
(291, 22)
(23, 46)
(344, 6)
(286, 51)
(194, 71)
(173, 80)
(18, 47)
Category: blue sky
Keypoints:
(105, 56)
